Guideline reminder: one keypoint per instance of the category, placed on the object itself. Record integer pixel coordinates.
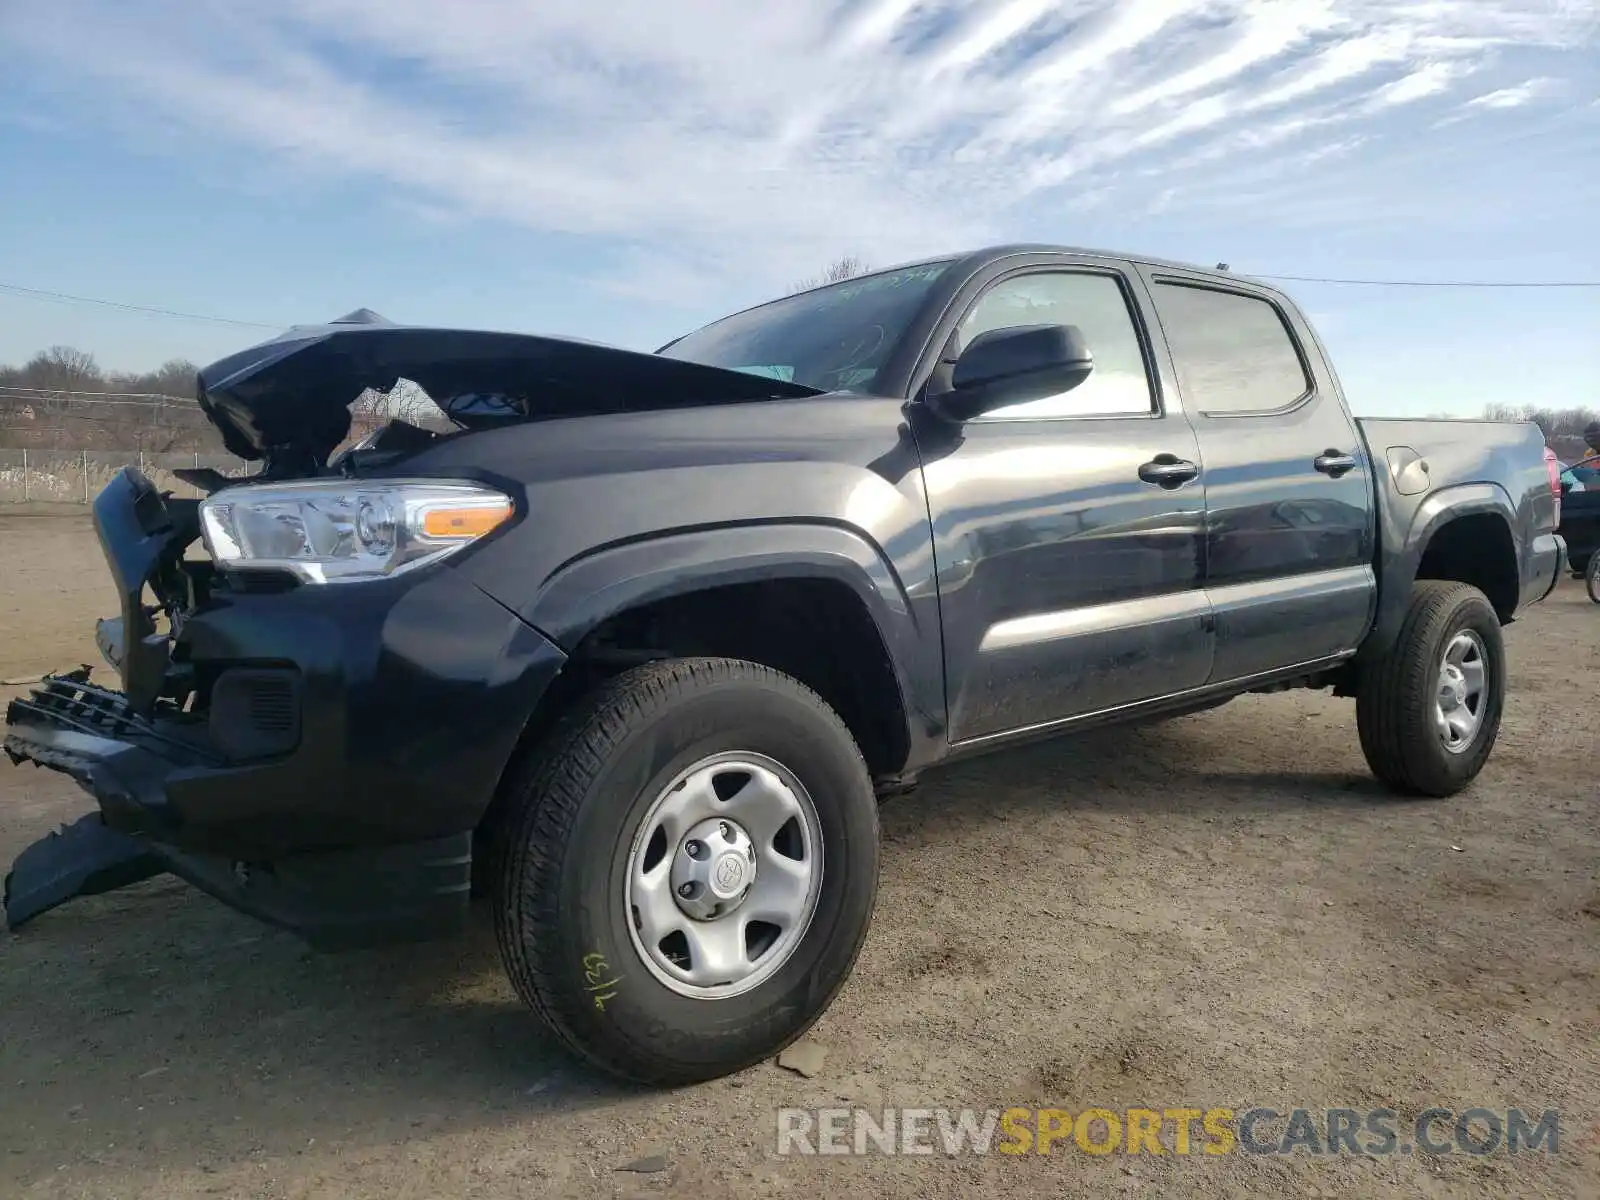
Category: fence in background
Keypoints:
(76, 476)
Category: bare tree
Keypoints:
(50, 402)
(1562, 427)
(1555, 422)
(175, 377)
(405, 401)
(847, 266)
(62, 368)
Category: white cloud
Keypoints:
(1339, 62)
(1430, 79)
(1267, 30)
(1512, 97)
(720, 137)
(987, 30)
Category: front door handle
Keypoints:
(1335, 463)
(1168, 471)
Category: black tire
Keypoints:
(572, 812)
(1395, 701)
(1591, 577)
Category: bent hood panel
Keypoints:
(295, 390)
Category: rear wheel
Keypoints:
(1591, 577)
(1429, 711)
(689, 870)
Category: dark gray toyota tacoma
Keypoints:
(634, 644)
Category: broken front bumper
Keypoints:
(343, 744)
(333, 899)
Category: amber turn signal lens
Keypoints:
(464, 522)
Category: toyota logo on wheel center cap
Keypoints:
(728, 875)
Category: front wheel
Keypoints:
(1591, 577)
(1429, 710)
(689, 870)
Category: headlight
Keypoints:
(337, 531)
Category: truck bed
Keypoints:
(1428, 470)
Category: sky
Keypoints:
(627, 171)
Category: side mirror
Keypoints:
(1014, 366)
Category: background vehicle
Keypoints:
(1580, 512)
(644, 639)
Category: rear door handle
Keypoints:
(1169, 471)
(1335, 462)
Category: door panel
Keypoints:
(1067, 583)
(1264, 624)
(1289, 507)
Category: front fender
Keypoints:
(588, 590)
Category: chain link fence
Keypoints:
(76, 476)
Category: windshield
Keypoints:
(833, 338)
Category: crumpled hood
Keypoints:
(292, 394)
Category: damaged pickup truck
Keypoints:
(634, 646)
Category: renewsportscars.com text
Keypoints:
(1177, 1131)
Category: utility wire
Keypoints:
(1440, 283)
(65, 298)
(49, 393)
(72, 402)
(33, 293)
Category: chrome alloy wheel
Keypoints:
(723, 875)
(1461, 694)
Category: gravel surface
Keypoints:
(1218, 911)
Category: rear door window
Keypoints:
(1233, 353)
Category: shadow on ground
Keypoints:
(124, 1012)
(1148, 769)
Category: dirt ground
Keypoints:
(1218, 911)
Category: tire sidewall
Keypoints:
(1591, 577)
(614, 995)
(1471, 612)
